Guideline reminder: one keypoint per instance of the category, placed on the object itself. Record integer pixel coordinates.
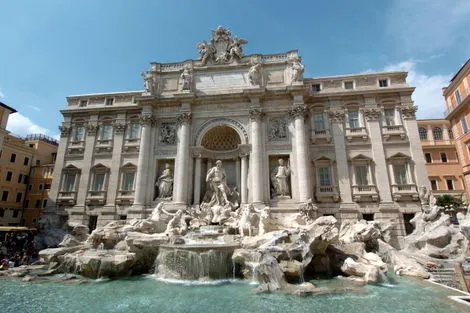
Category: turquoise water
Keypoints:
(146, 294)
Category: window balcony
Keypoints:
(104, 146)
(321, 135)
(132, 144)
(96, 197)
(327, 193)
(406, 191)
(67, 198)
(76, 147)
(357, 132)
(393, 131)
(365, 193)
(125, 197)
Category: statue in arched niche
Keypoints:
(165, 183)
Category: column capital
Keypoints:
(408, 112)
(65, 130)
(91, 129)
(256, 114)
(119, 127)
(146, 119)
(184, 118)
(299, 110)
(371, 114)
(336, 116)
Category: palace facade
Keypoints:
(349, 143)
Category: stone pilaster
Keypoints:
(197, 178)
(408, 112)
(256, 156)
(180, 189)
(298, 114)
(336, 118)
(243, 178)
(372, 117)
(119, 128)
(82, 191)
(146, 121)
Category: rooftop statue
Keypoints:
(223, 47)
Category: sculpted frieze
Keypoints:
(408, 112)
(167, 133)
(277, 129)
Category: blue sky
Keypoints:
(55, 48)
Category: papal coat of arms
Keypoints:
(223, 47)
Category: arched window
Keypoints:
(437, 133)
(423, 133)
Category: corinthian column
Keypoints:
(146, 121)
(256, 156)
(180, 189)
(302, 152)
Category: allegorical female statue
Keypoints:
(279, 179)
(165, 183)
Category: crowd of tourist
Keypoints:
(17, 248)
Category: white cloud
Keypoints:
(21, 125)
(426, 26)
(428, 94)
(2, 95)
(35, 108)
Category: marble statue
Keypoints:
(177, 225)
(217, 179)
(264, 221)
(297, 70)
(279, 179)
(254, 74)
(206, 51)
(149, 82)
(185, 80)
(245, 222)
(424, 195)
(235, 49)
(165, 183)
(307, 212)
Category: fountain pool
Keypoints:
(147, 294)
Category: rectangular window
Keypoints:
(9, 176)
(463, 121)
(443, 157)
(19, 195)
(38, 204)
(69, 182)
(319, 121)
(362, 173)
(2, 212)
(389, 115)
(16, 213)
(353, 119)
(128, 181)
(25, 179)
(349, 85)
(26, 204)
(383, 82)
(79, 133)
(434, 184)
(20, 178)
(98, 182)
(324, 176)
(316, 87)
(47, 186)
(13, 158)
(30, 187)
(26, 161)
(450, 184)
(109, 101)
(40, 186)
(457, 97)
(106, 132)
(428, 157)
(83, 103)
(44, 203)
(5, 195)
(399, 170)
(133, 131)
